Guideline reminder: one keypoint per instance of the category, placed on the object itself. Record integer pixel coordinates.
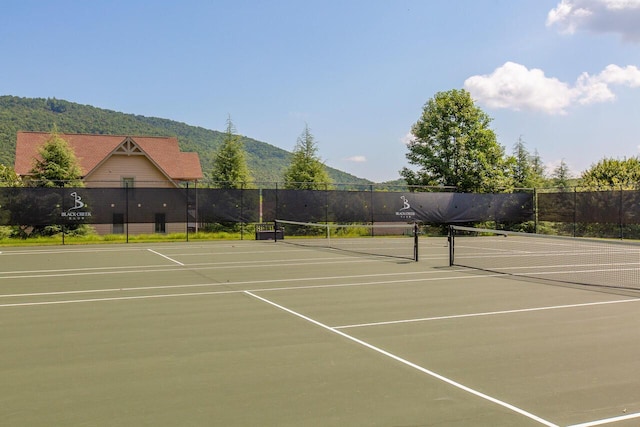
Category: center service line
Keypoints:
(164, 256)
(408, 363)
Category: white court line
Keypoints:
(134, 297)
(246, 282)
(284, 288)
(488, 313)
(607, 420)
(190, 294)
(117, 248)
(163, 268)
(223, 264)
(23, 252)
(408, 363)
(164, 256)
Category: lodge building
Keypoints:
(120, 161)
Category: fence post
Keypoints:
(535, 210)
(196, 209)
(621, 213)
(326, 203)
(575, 210)
(62, 222)
(186, 217)
(371, 203)
(277, 214)
(126, 219)
(242, 224)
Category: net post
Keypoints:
(275, 231)
(415, 241)
(451, 240)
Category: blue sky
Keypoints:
(561, 74)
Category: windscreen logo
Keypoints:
(405, 211)
(76, 212)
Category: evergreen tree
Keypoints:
(561, 175)
(58, 166)
(230, 165)
(306, 171)
(528, 170)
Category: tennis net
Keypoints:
(605, 263)
(397, 240)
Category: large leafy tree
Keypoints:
(613, 173)
(230, 168)
(453, 145)
(9, 177)
(58, 165)
(306, 171)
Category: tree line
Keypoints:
(59, 167)
(305, 171)
(452, 145)
(266, 161)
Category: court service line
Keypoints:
(92, 271)
(408, 363)
(118, 248)
(164, 256)
(133, 297)
(247, 282)
(221, 264)
(607, 420)
(243, 282)
(488, 313)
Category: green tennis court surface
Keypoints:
(267, 334)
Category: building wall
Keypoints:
(117, 167)
(110, 175)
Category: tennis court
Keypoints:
(261, 333)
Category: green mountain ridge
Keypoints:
(266, 162)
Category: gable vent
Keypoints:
(128, 147)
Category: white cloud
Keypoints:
(357, 159)
(598, 16)
(613, 74)
(592, 89)
(515, 87)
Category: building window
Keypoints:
(161, 223)
(127, 182)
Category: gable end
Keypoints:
(128, 147)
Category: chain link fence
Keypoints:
(200, 206)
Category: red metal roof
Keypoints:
(91, 150)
